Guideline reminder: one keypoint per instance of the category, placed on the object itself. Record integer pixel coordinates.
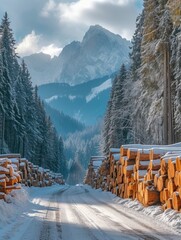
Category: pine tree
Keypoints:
(119, 121)
(135, 54)
(62, 160)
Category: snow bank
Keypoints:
(15, 202)
(20, 202)
(170, 217)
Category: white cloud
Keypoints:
(29, 45)
(59, 22)
(32, 43)
(49, 7)
(116, 15)
(51, 50)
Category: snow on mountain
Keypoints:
(100, 53)
(95, 91)
(49, 100)
(72, 97)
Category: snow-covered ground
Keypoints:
(82, 213)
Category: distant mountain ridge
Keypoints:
(100, 53)
(63, 123)
(85, 102)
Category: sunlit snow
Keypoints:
(49, 100)
(95, 91)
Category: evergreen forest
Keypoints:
(24, 126)
(145, 102)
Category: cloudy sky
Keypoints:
(48, 25)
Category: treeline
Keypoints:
(145, 103)
(25, 128)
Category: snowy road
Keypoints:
(80, 213)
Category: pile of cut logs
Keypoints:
(151, 174)
(15, 170)
(97, 171)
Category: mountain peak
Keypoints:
(100, 53)
(97, 31)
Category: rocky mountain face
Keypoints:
(99, 54)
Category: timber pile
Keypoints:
(151, 174)
(97, 172)
(10, 176)
(168, 181)
(15, 170)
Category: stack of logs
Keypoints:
(150, 174)
(15, 170)
(97, 171)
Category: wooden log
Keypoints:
(162, 200)
(161, 182)
(176, 201)
(151, 196)
(156, 153)
(177, 178)
(179, 182)
(123, 159)
(128, 170)
(169, 203)
(171, 187)
(148, 176)
(140, 186)
(171, 168)
(132, 153)
(143, 154)
(127, 179)
(154, 164)
(152, 174)
(142, 165)
(130, 190)
(120, 171)
(128, 162)
(139, 197)
(166, 195)
(11, 170)
(12, 180)
(179, 190)
(164, 162)
(119, 179)
(156, 179)
(178, 164)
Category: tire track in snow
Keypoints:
(47, 226)
(58, 220)
(45, 230)
(81, 219)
